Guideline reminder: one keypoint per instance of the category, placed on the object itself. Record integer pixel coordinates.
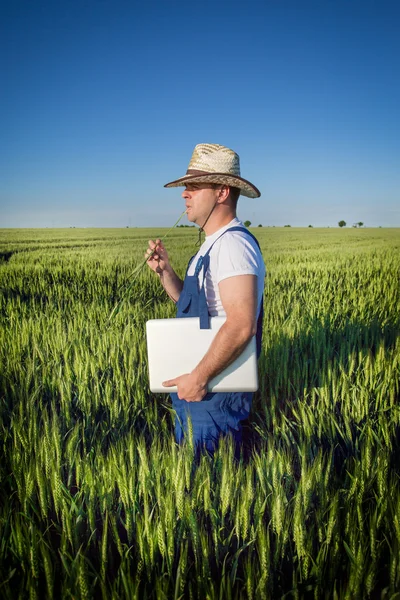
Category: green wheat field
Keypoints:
(96, 498)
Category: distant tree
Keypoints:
(287, 225)
(360, 223)
(260, 225)
(247, 223)
(310, 225)
(342, 223)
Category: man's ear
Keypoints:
(223, 194)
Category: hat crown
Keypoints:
(214, 158)
(212, 163)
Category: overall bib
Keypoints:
(219, 413)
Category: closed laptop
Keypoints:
(176, 346)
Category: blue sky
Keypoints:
(103, 102)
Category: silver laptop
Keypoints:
(176, 346)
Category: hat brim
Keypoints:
(246, 188)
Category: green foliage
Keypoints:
(247, 223)
(342, 223)
(96, 498)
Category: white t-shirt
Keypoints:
(233, 254)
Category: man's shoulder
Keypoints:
(237, 251)
(237, 235)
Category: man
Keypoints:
(225, 278)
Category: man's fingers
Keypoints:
(169, 383)
(155, 252)
(152, 251)
(150, 254)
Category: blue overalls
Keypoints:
(219, 413)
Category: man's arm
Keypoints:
(239, 299)
(159, 263)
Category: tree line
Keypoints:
(343, 224)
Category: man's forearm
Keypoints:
(227, 345)
(171, 283)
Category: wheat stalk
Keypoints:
(135, 273)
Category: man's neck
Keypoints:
(218, 222)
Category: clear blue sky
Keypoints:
(103, 101)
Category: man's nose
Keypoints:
(185, 194)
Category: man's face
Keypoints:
(200, 199)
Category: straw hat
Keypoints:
(212, 163)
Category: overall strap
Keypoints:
(197, 295)
(189, 263)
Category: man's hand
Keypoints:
(189, 387)
(158, 257)
(158, 261)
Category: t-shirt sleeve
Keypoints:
(235, 255)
